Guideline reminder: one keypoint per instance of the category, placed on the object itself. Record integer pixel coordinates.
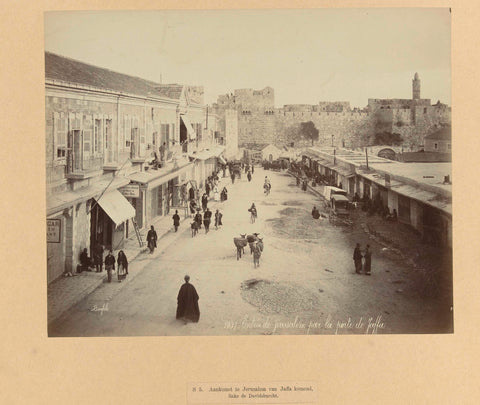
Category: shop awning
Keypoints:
(116, 207)
(191, 132)
(222, 160)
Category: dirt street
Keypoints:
(305, 283)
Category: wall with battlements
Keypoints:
(259, 122)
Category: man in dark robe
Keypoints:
(315, 213)
(187, 302)
(357, 259)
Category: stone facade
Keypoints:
(259, 122)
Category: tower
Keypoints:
(416, 87)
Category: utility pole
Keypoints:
(366, 155)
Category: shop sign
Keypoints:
(130, 191)
(53, 230)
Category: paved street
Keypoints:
(305, 283)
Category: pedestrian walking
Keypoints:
(204, 201)
(249, 176)
(198, 219)
(253, 213)
(187, 302)
(218, 219)
(357, 259)
(152, 239)
(193, 207)
(232, 176)
(207, 188)
(224, 194)
(315, 213)
(253, 168)
(176, 220)
(216, 194)
(122, 269)
(109, 264)
(98, 257)
(207, 217)
(367, 256)
(191, 193)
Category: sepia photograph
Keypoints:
(248, 172)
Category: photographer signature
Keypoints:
(101, 309)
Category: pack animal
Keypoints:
(240, 244)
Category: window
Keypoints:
(449, 146)
(60, 129)
(435, 145)
(425, 110)
(97, 135)
(127, 132)
(87, 137)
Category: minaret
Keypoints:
(416, 87)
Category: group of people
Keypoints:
(367, 260)
(206, 219)
(98, 261)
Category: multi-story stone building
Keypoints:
(259, 122)
(120, 151)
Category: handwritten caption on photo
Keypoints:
(252, 392)
(367, 325)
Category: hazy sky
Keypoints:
(307, 56)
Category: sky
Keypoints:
(306, 55)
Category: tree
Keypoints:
(309, 131)
(387, 138)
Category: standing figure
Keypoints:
(162, 150)
(187, 302)
(109, 264)
(232, 176)
(367, 268)
(176, 220)
(315, 213)
(218, 219)
(249, 176)
(253, 213)
(204, 201)
(224, 194)
(253, 168)
(122, 269)
(85, 260)
(98, 257)
(216, 194)
(191, 193)
(193, 207)
(207, 188)
(207, 216)
(304, 184)
(152, 239)
(357, 259)
(198, 219)
(257, 252)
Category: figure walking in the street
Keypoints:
(232, 176)
(315, 213)
(224, 194)
(207, 189)
(122, 269)
(198, 219)
(218, 219)
(204, 201)
(249, 176)
(152, 239)
(207, 217)
(193, 207)
(357, 259)
(216, 194)
(267, 186)
(176, 220)
(304, 184)
(98, 257)
(109, 265)
(367, 256)
(187, 302)
(257, 252)
(253, 168)
(253, 213)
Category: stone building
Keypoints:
(439, 141)
(339, 125)
(118, 151)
